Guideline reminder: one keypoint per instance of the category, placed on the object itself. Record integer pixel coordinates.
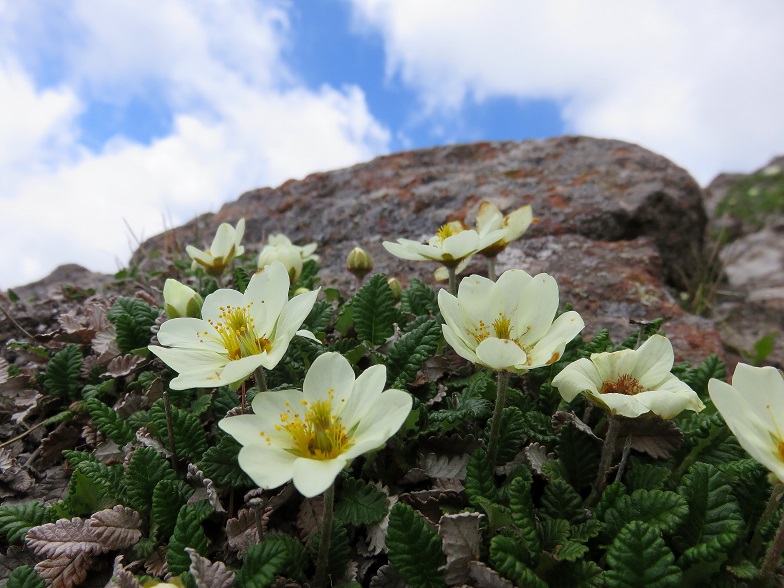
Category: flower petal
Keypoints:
(459, 344)
(488, 218)
(245, 428)
(383, 419)
(312, 477)
(329, 374)
(517, 222)
(613, 365)
(538, 304)
(550, 347)
(190, 333)
(404, 250)
(654, 361)
(239, 369)
(620, 404)
(670, 399)
(501, 354)
(294, 314)
(267, 466)
(461, 245)
(190, 360)
(268, 290)
(763, 387)
(576, 378)
(220, 298)
(367, 390)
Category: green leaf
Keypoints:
(512, 435)
(561, 501)
(585, 531)
(698, 377)
(498, 516)
(579, 454)
(309, 277)
(17, 519)
(609, 498)
(479, 481)
(188, 532)
(319, 317)
(189, 438)
(409, 352)
(168, 497)
(374, 311)
(296, 555)
(225, 399)
(639, 557)
(360, 503)
(523, 513)
(464, 407)
(63, 372)
(599, 344)
(553, 533)
(509, 559)
(87, 495)
(109, 422)
(241, 279)
(262, 563)
(714, 523)
(24, 577)
(221, 466)
(414, 548)
(581, 574)
(133, 318)
(645, 476)
(659, 509)
(145, 470)
(419, 299)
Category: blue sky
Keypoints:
(146, 113)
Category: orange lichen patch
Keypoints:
(557, 201)
(625, 384)
(584, 178)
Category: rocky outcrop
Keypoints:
(618, 226)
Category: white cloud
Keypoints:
(240, 120)
(695, 81)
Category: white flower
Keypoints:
(225, 247)
(753, 408)
(309, 436)
(513, 225)
(453, 245)
(280, 248)
(237, 332)
(508, 324)
(181, 300)
(630, 382)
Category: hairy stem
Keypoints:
(773, 556)
(261, 378)
(770, 509)
(170, 427)
(491, 268)
(452, 280)
(495, 430)
(608, 449)
(322, 562)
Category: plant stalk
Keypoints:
(261, 378)
(170, 427)
(608, 449)
(491, 268)
(322, 563)
(770, 508)
(495, 430)
(452, 280)
(773, 556)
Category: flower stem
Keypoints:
(495, 430)
(773, 556)
(170, 427)
(452, 280)
(491, 268)
(608, 449)
(770, 509)
(326, 535)
(261, 379)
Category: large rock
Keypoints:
(619, 226)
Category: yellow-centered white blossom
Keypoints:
(225, 246)
(630, 382)
(181, 300)
(452, 245)
(237, 332)
(753, 408)
(280, 248)
(309, 436)
(513, 225)
(509, 324)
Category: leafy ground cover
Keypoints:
(154, 491)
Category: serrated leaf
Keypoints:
(553, 533)
(263, 562)
(116, 528)
(512, 436)
(109, 422)
(479, 482)
(318, 318)
(63, 372)
(374, 312)
(65, 571)
(62, 539)
(609, 498)
(188, 532)
(585, 531)
(133, 318)
(87, 494)
(409, 352)
(561, 501)
(414, 548)
(168, 497)
(659, 509)
(509, 558)
(639, 557)
(460, 542)
(645, 476)
(207, 574)
(24, 577)
(698, 377)
(339, 549)
(578, 454)
(714, 523)
(221, 466)
(296, 555)
(241, 279)
(464, 407)
(16, 520)
(419, 299)
(523, 514)
(145, 470)
(360, 503)
(580, 574)
(190, 441)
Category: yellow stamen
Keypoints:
(237, 333)
(320, 435)
(625, 384)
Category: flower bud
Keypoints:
(359, 262)
(396, 287)
(181, 300)
(301, 290)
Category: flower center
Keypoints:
(625, 384)
(318, 433)
(237, 334)
(448, 230)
